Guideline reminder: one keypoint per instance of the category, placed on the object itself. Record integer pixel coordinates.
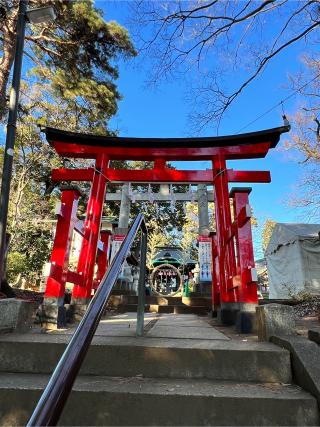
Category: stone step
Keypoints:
(194, 309)
(207, 302)
(122, 292)
(159, 300)
(138, 401)
(154, 357)
(167, 309)
(195, 294)
(133, 299)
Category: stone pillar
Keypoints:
(125, 279)
(203, 210)
(124, 207)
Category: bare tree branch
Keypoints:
(209, 39)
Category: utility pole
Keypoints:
(11, 133)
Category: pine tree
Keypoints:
(76, 53)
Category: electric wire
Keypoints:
(101, 173)
(280, 103)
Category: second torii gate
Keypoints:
(235, 284)
(166, 193)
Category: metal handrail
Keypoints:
(55, 395)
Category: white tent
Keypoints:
(293, 259)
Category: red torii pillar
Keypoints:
(105, 237)
(247, 297)
(53, 311)
(81, 293)
(226, 256)
(215, 288)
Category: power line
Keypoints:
(280, 102)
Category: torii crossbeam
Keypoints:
(235, 284)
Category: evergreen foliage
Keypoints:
(267, 233)
(70, 84)
(77, 53)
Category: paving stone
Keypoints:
(123, 325)
(182, 320)
(190, 332)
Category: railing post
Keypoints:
(55, 395)
(141, 285)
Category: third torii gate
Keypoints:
(234, 282)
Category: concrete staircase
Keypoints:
(156, 380)
(157, 304)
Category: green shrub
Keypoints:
(16, 264)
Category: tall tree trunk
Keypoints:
(6, 61)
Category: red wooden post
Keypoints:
(215, 274)
(102, 257)
(81, 293)
(248, 283)
(55, 287)
(228, 294)
(248, 297)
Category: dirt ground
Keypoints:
(306, 323)
(26, 295)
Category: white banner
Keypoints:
(117, 240)
(205, 259)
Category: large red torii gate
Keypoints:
(234, 284)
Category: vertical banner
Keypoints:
(117, 240)
(205, 258)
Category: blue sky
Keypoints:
(163, 112)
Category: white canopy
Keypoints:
(286, 233)
(293, 259)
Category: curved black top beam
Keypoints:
(269, 135)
